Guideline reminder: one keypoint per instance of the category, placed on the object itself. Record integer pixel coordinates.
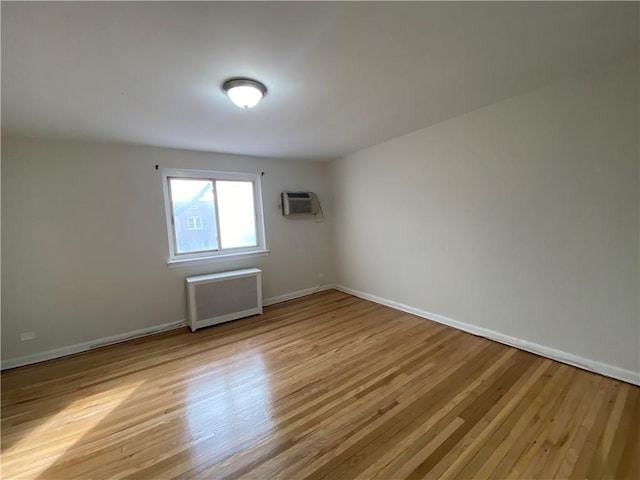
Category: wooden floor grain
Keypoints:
(325, 387)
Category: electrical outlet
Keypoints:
(27, 336)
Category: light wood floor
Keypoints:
(327, 386)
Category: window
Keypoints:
(194, 223)
(212, 214)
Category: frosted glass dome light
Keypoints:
(244, 92)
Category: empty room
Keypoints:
(320, 240)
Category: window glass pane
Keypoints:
(194, 215)
(236, 208)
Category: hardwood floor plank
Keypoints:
(621, 437)
(601, 457)
(534, 457)
(315, 448)
(413, 449)
(593, 447)
(568, 416)
(487, 434)
(327, 386)
(305, 416)
(474, 412)
(580, 434)
(629, 465)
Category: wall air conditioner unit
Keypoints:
(300, 203)
(221, 297)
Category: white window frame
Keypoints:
(221, 254)
(197, 223)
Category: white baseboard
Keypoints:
(83, 347)
(300, 293)
(605, 369)
(102, 342)
(548, 352)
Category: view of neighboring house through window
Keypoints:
(194, 223)
(213, 216)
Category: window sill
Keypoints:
(188, 262)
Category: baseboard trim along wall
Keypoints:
(84, 346)
(293, 295)
(123, 337)
(605, 369)
(548, 352)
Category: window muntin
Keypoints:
(211, 214)
(194, 223)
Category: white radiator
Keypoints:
(221, 297)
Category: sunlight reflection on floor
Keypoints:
(68, 426)
(240, 393)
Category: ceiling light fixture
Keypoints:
(244, 92)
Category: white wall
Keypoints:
(521, 218)
(85, 244)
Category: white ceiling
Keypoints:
(341, 76)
